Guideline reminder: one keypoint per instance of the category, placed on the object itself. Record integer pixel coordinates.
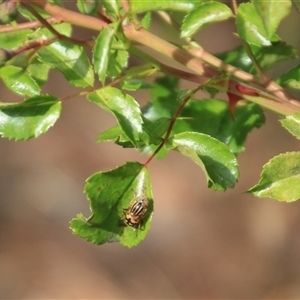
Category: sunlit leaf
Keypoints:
(118, 60)
(139, 6)
(43, 32)
(292, 124)
(216, 160)
(14, 39)
(272, 12)
(111, 8)
(117, 135)
(101, 51)
(135, 84)
(71, 60)
(280, 178)
(203, 15)
(138, 72)
(39, 71)
(250, 26)
(146, 20)
(125, 109)
(30, 118)
(19, 81)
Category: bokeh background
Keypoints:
(202, 244)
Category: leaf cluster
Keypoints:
(209, 131)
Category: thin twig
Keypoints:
(82, 93)
(44, 22)
(255, 62)
(270, 86)
(27, 25)
(234, 6)
(34, 45)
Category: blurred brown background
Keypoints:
(202, 244)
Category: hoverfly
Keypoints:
(135, 213)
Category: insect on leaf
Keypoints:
(111, 194)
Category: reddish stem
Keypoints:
(172, 123)
(27, 25)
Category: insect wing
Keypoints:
(135, 213)
(139, 208)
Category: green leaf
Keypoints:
(125, 109)
(28, 15)
(250, 26)
(164, 98)
(141, 71)
(25, 12)
(101, 51)
(278, 51)
(71, 60)
(43, 32)
(292, 124)
(135, 84)
(30, 118)
(111, 134)
(217, 161)
(149, 150)
(146, 20)
(234, 133)
(203, 15)
(280, 178)
(88, 7)
(118, 60)
(237, 57)
(291, 79)
(117, 135)
(112, 8)
(266, 56)
(14, 39)
(212, 117)
(156, 129)
(38, 71)
(272, 12)
(17, 80)
(110, 193)
(138, 6)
